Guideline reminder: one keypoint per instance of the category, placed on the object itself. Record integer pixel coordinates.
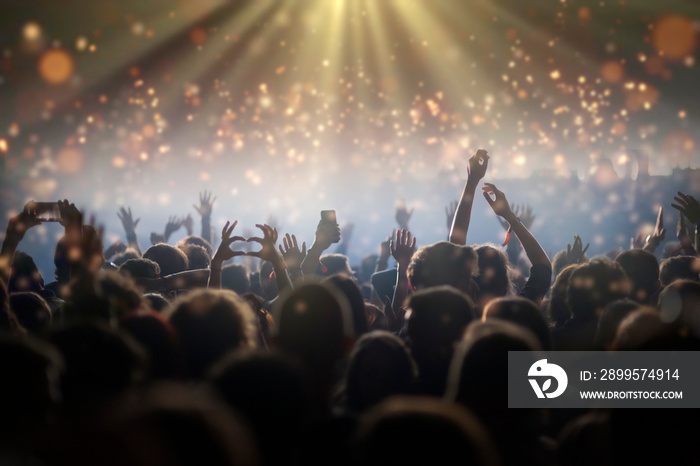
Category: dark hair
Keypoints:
(493, 279)
(443, 263)
(436, 321)
(593, 285)
(60, 257)
(197, 256)
(312, 323)
(199, 241)
(25, 274)
(523, 312)
(32, 311)
(235, 277)
(170, 259)
(349, 288)
(642, 268)
(334, 264)
(210, 323)
(679, 267)
(140, 268)
(121, 258)
(380, 366)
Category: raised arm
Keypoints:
(269, 253)
(460, 225)
(223, 253)
(690, 208)
(500, 207)
(206, 206)
(326, 234)
(402, 249)
(129, 225)
(16, 228)
(293, 256)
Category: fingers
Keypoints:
(487, 196)
(660, 218)
(281, 250)
(303, 248)
(585, 249)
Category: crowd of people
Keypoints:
(227, 349)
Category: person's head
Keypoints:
(128, 254)
(679, 268)
(30, 385)
(140, 268)
(493, 277)
(25, 274)
(444, 263)
(60, 259)
(612, 316)
(268, 390)
(593, 285)
(332, 264)
(348, 286)
(108, 296)
(159, 338)
(32, 311)
(314, 323)
(367, 267)
(197, 256)
(100, 362)
(478, 376)
(428, 430)
(198, 241)
(210, 323)
(156, 302)
(679, 304)
(642, 329)
(169, 258)
(642, 268)
(380, 366)
(236, 277)
(522, 312)
(436, 319)
(558, 310)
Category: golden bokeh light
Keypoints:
(69, 161)
(674, 37)
(612, 72)
(56, 66)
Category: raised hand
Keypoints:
(450, 211)
(224, 252)
(70, 215)
(526, 216)
(402, 215)
(659, 233)
(157, 238)
(174, 223)
(127, 220)
(478, 165)
(291, 253)
(326, 234)
(115, 248)
(688, 206)
(516, 212)
(403, 247)
(268, 252)
(499, 203)
(188, 223)
(20, 223)
(206, 204)
(577, 253)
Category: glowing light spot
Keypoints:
(556, 74)
(81, 43)
(56, 66)
(118, 161)
(3, 146)
(612, 72)
(618, 129)
(198, 36)
(31, 31)
(674, 37)
(69, 161)
(682, 114)
(584, 13)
